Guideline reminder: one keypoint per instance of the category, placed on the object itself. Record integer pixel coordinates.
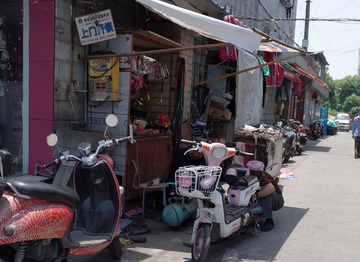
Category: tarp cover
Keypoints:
(249, 92)
(205, 25)
(331, 123)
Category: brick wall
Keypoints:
(269, 109)
(68, 104)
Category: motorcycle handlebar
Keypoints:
(51, 163)
(188, 142)
(241, 153)
(119, 140)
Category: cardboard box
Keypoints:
(216, 113)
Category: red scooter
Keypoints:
(77, 213)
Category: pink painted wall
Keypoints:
(42, 42)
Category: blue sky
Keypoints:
(340, 41)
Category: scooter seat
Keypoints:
(289, 134)
(50, 192)
(238, 172)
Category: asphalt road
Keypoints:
(319, 221)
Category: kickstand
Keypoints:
(256, 232)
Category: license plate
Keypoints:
(185, 181)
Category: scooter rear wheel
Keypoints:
(201, 246)
(114, 249)
(7, 254)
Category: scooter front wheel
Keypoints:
(114, 249)
(201, 246)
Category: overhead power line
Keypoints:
(303, 19)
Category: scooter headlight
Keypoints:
(84, 148)
(10, 230)
(219, 152)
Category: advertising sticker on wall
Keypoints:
(95, 27)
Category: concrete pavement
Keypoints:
(317, 223)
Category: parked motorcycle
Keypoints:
(315, 130)
(301, 136)
(77, 215)
(289, 147)
(322, 127)
(216, 217)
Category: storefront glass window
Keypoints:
(11, 79)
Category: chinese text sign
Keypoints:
(96, 27)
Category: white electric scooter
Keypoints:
(217, 217)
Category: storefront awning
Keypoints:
(275, 47)
(205, 25)
(303, 72)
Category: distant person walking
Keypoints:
(356, 135)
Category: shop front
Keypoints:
(288, 89)
(12, 104)
(144, 73)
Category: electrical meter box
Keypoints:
(104, 82)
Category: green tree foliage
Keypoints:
(332, 112)
(341, 90)
(351, 101)
(354, 111)
(346, 87)
(332, 101)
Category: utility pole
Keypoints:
(358, 71)
(305, 43)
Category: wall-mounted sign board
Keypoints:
(95, 27)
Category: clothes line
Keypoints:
(251, 68)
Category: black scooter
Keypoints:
(289, 136)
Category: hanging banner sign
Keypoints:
(96, 27)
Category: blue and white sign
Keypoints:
(324, 114)
(95, 27)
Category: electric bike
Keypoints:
(217, 217)
(78, 213)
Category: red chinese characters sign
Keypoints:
(96, 27)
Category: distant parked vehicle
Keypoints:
(343, 121)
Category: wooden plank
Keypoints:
(208, 102)
(156, 52)
(268, 39)
(156, 39)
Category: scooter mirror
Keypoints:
(111, 120)
(52, 139)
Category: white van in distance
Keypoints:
(343, 121)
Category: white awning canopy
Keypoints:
(205, 25)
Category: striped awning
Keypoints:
(303, 72)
